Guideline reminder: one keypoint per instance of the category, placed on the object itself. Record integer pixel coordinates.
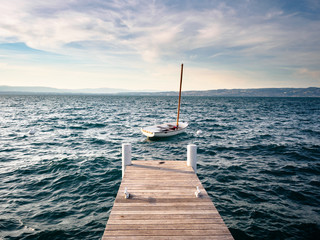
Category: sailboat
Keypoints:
(167, 129)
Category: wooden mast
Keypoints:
(179, 95)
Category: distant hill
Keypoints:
(258, 92)
(18, 89)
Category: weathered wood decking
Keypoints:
(163, 205)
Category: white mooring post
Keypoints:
(126, 156)
(192, 156)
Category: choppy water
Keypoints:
(258, 158)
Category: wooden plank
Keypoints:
(169, 204)
(162, 205)
(156, 197)
(162, 212)
(185, 191)
(204, 226)
(161, 194)
(164, 208)
(160, 232)
(151, 200)
(202, 215)
(224, 237)
(161, 221)
(148, 186)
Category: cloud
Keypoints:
(140, 34)
(149, 28)
(304, 72)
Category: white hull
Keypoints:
(164, 130)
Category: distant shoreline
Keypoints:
(257, 92)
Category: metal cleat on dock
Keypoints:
(126, 194)
(197, 193)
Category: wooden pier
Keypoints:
(162, 204)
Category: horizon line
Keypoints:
(148, 90)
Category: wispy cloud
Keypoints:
(249, 35)
(309, 73)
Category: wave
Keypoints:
(258, 159)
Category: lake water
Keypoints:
(258, 158)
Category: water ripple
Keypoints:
(258, 158)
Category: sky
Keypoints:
(140, 45)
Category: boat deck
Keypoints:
(163, 205)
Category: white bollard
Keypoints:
(192, 156)
(126, 156)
